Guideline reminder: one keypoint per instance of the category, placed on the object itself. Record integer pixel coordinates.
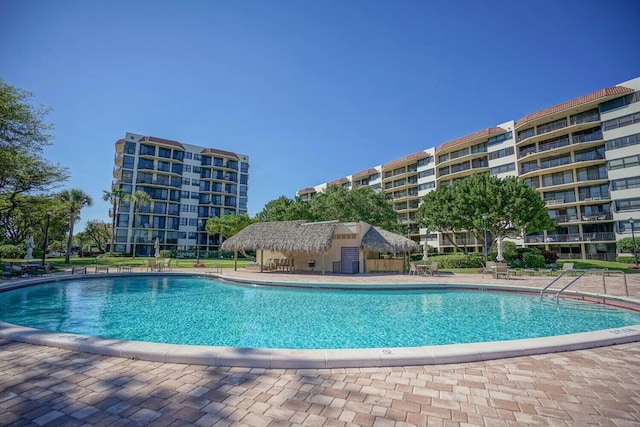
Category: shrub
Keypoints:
(532, 260)
(165, 253)
(550, 257)
(459, 261)
(626, 259)
(11, 251)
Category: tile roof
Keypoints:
(339, 181)
(307, 190)
(161, 141)
(476, 135)
(415, 156)
(220, 152)
(363, 174)
(602, 93)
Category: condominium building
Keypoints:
(187, 184)
(582, 156)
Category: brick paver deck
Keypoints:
(48, 386)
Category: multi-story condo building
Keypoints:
(187, 185)
(582, 156)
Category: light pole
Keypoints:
(633, 240)
(198, 242)
(46, 237)
(484, 245)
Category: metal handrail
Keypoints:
(583, 272)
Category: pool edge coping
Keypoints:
(329, 358)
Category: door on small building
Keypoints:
(349, 260)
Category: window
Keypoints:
(551, 126)
(620, 102)
(501, 138)
(177, 168)
(622, 121)
(206, 161)
(628, 204)
(585, 117)
(147, 150)
(196, 182)
(524, 134)
(626, 183)
(427, 185)
(182, 234)
(188, 155)
(184, 208)
(196, 169)
(232, 164)
(178, 155)
(244, 167)
(244, 178)
(184, 221)
(502, 169)
(557, 178)
(184, 194)
(128, 162)
(193, 222)
(164, 152)
(501, 153)
(193, 208)
(443, 158)
(195, 195)
(186, 181)
(594, 134)
(625, 162)
(625, 141)
(187, 168)
(592, 173)
(145, 164)
(130, 148)
(164, 166)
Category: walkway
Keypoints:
(48, 386)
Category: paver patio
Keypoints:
(48, 386)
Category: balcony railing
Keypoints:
(587, 197)
(571, 238)
(560, 219)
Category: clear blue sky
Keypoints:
(311, 90)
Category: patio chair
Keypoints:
(6, 270)
(166, 265)
(502, 270)
(152, 264)
(489, 268)
(433, 269)
(413, 268)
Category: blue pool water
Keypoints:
(191, 310)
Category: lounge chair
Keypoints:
(567, 266)
(166, 265)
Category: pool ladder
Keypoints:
(582, 273)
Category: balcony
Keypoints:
(572, 238)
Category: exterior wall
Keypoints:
(566, 152)
(185, 187)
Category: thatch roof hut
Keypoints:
(379, 240)
(307, 239)
(283, 236)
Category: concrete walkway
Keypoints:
(49, 386)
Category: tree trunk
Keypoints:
(69, 240)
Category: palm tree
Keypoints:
(137, 198)
(115, 196)
(74, 200)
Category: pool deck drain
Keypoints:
(52, 386)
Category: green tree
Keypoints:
(511, 208)
(23, 135)
(626, 245)
(336, 203)
(228, 225)
(99, 233)
(115, 196)
(74, 200)
(284, 209)
(138, 198)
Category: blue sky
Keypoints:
(311, 90)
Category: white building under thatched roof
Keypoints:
(354, 247)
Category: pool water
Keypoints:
(199, 311)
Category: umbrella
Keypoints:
(156, 245)
(29, 254)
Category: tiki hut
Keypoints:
(302, 245)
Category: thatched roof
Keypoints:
(379, 240)
(309, 237)
(283, 236)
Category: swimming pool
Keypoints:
(203, 312)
